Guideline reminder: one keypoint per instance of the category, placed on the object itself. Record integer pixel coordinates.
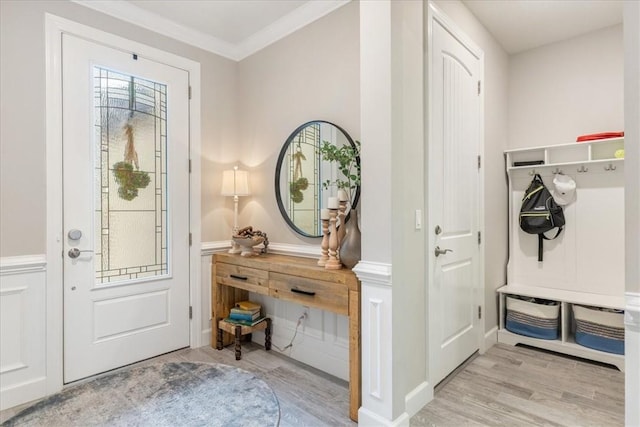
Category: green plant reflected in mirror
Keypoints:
(317, 160)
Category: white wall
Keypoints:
(632, 204)
(566, 89)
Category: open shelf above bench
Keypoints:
(576, 153)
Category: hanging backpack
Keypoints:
(540, 213)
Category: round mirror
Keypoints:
(305, 180)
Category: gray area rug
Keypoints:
(162, 394)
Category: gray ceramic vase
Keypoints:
(350, 249)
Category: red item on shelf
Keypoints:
(602, 135)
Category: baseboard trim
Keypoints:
(205, 337)
(490, 339)
(22, 264)
(24, 392)
(417, 398)
(367, 418)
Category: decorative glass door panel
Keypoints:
(131, 174)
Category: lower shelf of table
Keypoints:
(567, 347)
(245, 329)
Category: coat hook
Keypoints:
(610, 167)
(558, 171)
(582, 169)
(532, 172)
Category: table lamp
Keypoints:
(235, 183)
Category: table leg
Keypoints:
(267, 335)
(238, 336)
(219, 335)
(354, 354)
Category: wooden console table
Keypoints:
(294, 279)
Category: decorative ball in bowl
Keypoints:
(247, 243)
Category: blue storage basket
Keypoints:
(600, 329)
(533, 319)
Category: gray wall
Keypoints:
(22, 117)
(313, 74)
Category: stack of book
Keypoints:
(246, 313)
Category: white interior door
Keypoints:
(126, 208)
(454, 214)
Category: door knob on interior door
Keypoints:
(439, 251)
(75, 252)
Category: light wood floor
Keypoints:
(510, 386)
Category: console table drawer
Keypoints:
(310, 292)
(250, 279)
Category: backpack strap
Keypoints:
(540, 242)
(542, 238)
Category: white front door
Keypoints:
(126, 208)
(454, 216)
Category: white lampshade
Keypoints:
(235, 182)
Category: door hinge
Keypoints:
(190, 312)
(190, 239)
(479, 87)
(189, 165)
(479, 161)
(189, 92)
(479, 312)
(479, 237)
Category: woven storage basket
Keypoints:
(598, 329)
(532, 319)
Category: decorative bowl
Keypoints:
(247, 243)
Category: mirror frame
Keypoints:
(281, 156)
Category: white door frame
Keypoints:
(54, 27)
(434, 13)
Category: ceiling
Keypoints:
(520, 25)
(238, 28)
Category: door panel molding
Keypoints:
(55, 26)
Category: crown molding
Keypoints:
(133, 14)
(286, 25)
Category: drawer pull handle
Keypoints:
(234, 276)
(299, 291)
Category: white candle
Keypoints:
(332, 203)
(324, 213)
(342, 195)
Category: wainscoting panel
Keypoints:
(377, 372)
(22, 329)
(632, 356)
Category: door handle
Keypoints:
(439, 251)
(75, 252)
